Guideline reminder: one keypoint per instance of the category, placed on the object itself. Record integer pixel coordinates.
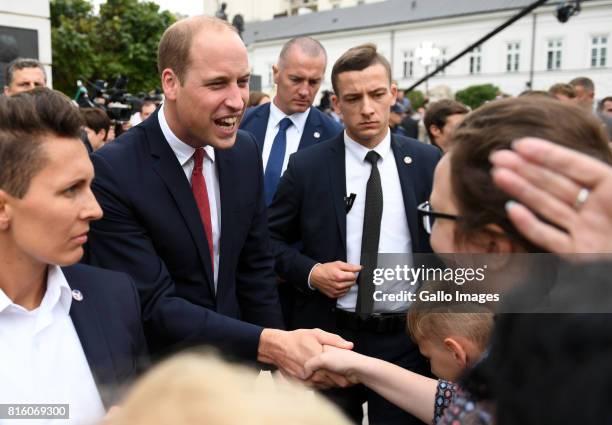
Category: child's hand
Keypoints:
(337, 360)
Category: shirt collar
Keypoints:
(58, 291)
(359, 151)
(298, 119)
(182, 150)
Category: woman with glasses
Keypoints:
(467, 214)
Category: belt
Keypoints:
(378, 322)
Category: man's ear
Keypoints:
(170, 83)
(275, 73)
(457, 351)
(435, 131)
(5, 211)
(336, 105)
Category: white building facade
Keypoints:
(25, 30)
(537, 48)
(263, 10)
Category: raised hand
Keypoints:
(568, 189)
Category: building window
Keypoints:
(599, 51)
(553, 54)
(441, 59)
(475, 60)
(408, 64)
(513, 56)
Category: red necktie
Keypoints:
(198, 186)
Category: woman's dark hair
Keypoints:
(494, 127)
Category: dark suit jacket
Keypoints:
(152, 230)
(107, 321)
(309, 207)
(255, 121)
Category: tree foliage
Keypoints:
(121, 39)
(417, 98)
(475, 96)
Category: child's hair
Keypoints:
(436, 320)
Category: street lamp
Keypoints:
(426, 53)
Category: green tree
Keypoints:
(122, 39)
(417, 98)
(475, 96)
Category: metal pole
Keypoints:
(533, 38)
(500, 28)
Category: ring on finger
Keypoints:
(581, 198)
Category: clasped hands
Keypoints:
(291, 351)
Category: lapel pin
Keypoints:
(407, 160)
(316, 134)
(77, 295)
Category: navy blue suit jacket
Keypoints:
(152, 230)
(255, 121)
(107, 321)
(309, 207)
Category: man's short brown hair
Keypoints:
(25, 120)
(357, 59)
(439, 111)
(175, 45)
(21, 63)
(96, 119)
(563, 89)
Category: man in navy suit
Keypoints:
(184, 215)
(69, 334)
(290, 123)
(298, 75)
(344, 201)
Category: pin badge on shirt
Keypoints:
(407, 160)
(77, 295)
(316, 134)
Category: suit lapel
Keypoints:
(337, 175)
(95, 345)
(312, 126)
(168, 168)
(408, 179)
(261, 124)
(226, 183)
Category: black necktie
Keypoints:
(369, 239)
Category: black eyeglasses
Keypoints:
(429, 216)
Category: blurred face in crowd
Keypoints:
(147, 110)
(584, 97)
(607, 108)
(96, 139)
(24, 80)
(364, 102)
(298, 78)
(206, 108)
(49, 224)
(442, 135)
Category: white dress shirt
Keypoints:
(294, 133)
(41, 357)
(394, 231)
(184, 155)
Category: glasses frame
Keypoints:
(425, 211)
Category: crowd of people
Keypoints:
(253, 226)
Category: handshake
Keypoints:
(298, 355)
